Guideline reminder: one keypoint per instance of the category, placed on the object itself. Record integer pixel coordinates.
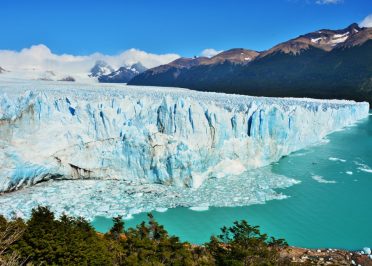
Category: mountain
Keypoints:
(68, 78)
(123, 74)
(322, 39)
(321, 64)
(100, 68)
(2, 70)
(168, 74)
(138, 67)
(237, 55)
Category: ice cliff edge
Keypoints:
(158, 135)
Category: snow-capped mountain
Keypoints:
(2, 70)
(322, 64)
(123, 74)
(100, 68)
(324, 39)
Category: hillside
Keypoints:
(323, 64)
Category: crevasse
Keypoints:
(157, 135)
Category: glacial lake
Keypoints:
(331, 207)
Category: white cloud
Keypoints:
(327, 2)
(210, 52)
(39, 58)
(367, 21)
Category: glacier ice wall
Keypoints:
(154, 135)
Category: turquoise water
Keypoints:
(331, 207)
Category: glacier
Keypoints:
(168, 136)
(162, 137)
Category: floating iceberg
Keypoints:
(168, 136)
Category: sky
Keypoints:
(162, 30)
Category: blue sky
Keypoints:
(181, 27)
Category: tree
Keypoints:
(243, 244)
(117, 229)
(67, 241)
(10, 232)
(150, 244)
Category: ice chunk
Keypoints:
(367, 250)
(336, 159)
(349, 172)
(321, 179)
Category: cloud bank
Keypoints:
(210, 52)
(327, 2)
(39, 58)
(366, 22)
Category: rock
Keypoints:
(367, 250)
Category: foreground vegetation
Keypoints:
(46, 240)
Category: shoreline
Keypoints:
(326, 256)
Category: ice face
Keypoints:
(151, 135)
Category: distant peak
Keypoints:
(100, 68)
(139, 67)
(353, 25)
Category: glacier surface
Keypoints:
(130, 135)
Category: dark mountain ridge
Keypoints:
(323, 64)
